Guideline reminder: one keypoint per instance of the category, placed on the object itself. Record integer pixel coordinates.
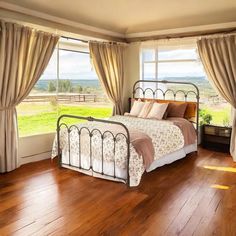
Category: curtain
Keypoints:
(218, 56)
(108, 61)
(24, 54)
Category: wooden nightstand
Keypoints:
(216, 138)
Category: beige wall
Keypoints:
(35, 148)
(132, 69)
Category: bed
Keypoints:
(105, 148)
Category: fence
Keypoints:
(72, 98)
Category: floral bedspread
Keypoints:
(166, 138)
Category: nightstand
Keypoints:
(216, 138)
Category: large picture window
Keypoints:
(69, 85)
(182, 63)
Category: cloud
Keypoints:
(72, 65)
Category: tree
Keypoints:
(79, 89)
(65, 86)
(51, 86)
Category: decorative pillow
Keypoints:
(176, 109)
(136, 108)
(158, 110)
(145, 110)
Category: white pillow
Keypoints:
(136, 108)
(158, 110)
(145, 110)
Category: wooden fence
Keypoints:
(75, 97)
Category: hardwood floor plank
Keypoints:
(193, 196)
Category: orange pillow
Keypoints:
(176, 109)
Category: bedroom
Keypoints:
(169, 81)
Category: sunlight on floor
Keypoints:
(221, 168)
(218, 186)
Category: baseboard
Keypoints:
(34, 158)
(35, 148)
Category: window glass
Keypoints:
(75, 90)
(182, 63)
(149, 71)
(79, 90)
(177, 54)
(148, 55)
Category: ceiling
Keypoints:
(135, 16)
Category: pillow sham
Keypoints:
(158, 110)
(176, 109)
(136, 108)
(145, 110)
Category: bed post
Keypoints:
(58, 141)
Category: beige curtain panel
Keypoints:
(218, 56)
(108, 62)
(24, 55)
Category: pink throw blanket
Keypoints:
(187, 129)
(143, 146)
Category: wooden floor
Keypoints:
(193, 196)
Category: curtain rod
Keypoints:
(187, 36)
(76, 39)
(87, 41)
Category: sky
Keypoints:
(73, 65)
(173, 69)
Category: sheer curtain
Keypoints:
(24, 54)
(218, 56)
(108, 60)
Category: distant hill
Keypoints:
(43, 84)
(203, 84)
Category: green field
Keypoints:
(42, 118)
(220, 115)
(37, 119)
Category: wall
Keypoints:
(35, 148)
(132, 70)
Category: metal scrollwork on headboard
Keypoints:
(155, 91)
(141, 87)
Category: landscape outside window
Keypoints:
(69, 85)
(181, 63)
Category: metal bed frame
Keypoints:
(154, 92)
(125, 134)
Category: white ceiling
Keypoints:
(135, 16)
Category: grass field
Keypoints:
(37, 119)
(41, 118)
(219, 114)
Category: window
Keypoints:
(69, 85)
(181, 63)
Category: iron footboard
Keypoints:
(62, 125)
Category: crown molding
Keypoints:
(55, 19)
(184, 30)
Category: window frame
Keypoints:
(157, 61)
